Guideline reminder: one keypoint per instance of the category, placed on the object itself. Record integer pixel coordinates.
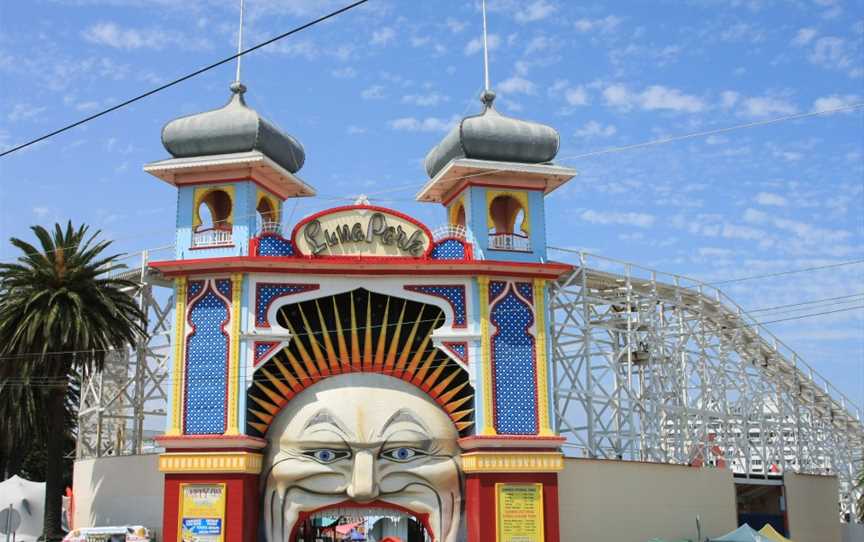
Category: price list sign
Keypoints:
(519, 512)
(202, 516)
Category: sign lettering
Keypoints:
(519, 512)
(202, 512)
(361, 230)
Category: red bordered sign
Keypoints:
(362, 230)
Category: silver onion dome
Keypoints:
(233, 128)
(493, 136)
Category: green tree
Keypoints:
(861, 494)
(61, 311)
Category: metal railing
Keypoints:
(212, 238)
(509, 241)
(270, 227)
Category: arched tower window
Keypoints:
(459, 215)
(508, 223)
(267, 215)
(212, 220)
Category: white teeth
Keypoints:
(391, 513)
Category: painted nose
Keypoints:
(363, 486)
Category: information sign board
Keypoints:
(519, 512)
(202, 512)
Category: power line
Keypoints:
(185, 77)
(713, 132)
(839, 300)
(790, 272)
(739, 279)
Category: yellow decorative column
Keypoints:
(176, 424)
(233, 427)
(486, 359)
(542, 358)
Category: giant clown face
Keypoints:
(362, 441)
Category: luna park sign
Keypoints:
(361, 230)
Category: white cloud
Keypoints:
(23, 111)
(593, 129)
(605, 25)
(715, 252)
(771, 199)
(535, 11)
(375, 92)
(838, 54)
(728, 98)
(383, 36)
(429, 124)
(355, 130)
(425, 100)
(113, 35)
(455, 25)
(539, 43)
(41, 212)
(517, 85)
(742, 32)
(660, 97)
(655, 97)
(835, 101)
(476, 45)
(640, 220)
(344, 73)
(804, 36)
(765, 106)
(576, 96)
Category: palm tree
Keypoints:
(61, 311)
(860, 485)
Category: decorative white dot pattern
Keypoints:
(267, 293)
(195, 287)
(274, 245)
(207, 365)
(460, 349)
(448, 249)
(495, 288)
(455, 295)
(513, 365)
(262, 348)
(526, 290)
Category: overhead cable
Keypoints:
(715, 131)
(185, 77)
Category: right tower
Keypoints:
(492, 173)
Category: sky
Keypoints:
(371, 91)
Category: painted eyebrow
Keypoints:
(403, 415)
(325, 417)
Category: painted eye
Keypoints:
(325, 455)
(402, 454)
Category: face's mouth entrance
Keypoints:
(353, 522)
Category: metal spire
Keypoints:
(485, 52)
(239, 44)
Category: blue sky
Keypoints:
(369, 93)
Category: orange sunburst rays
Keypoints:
(323, 350)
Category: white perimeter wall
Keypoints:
(626, 501)
(812, 508)
(853, 532)
(118, 491)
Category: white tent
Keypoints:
(28, 504)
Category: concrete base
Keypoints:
(853, 532)
(616, 501)
(811, 504)
(118, 491)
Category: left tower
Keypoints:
(233, 171)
